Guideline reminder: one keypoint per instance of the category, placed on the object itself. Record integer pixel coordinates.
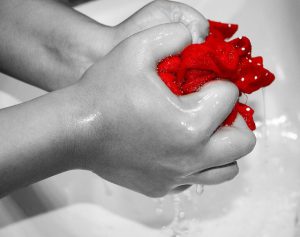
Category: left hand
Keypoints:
(161, 12)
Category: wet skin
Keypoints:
(121, 122)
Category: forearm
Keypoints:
(37, 140)
(47, 39)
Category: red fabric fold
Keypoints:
(215, 59)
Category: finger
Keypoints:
(228, 144)
(161, 41)
(190, 17)
(213, 175)
(211, 105)
(180, 189)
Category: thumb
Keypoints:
(163, 40)
(212, 103)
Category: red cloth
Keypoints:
(216, 59)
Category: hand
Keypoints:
(65, 43)
(161, 12)
(137, 134)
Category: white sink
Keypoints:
(264, 199)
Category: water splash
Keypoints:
(177, 228)
(174, 229)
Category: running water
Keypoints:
(264, 115)
(188, 197)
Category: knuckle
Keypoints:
(227, 91)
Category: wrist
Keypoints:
(84, 48)
(83, 125)
(53, 44)
(40, 138)
(93, 43)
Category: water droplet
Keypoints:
(199, 189)
(175, 229)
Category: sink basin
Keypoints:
(78, 220)
(262, 201)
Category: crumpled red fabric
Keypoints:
(215, 59)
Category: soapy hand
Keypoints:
(136, 133)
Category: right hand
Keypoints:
(134, 132)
